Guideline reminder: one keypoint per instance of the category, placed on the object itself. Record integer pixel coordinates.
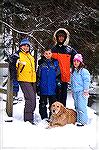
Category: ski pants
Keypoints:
(62, 96)
(80, 102)
(44, 99)
(29, 91)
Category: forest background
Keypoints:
(39, 19)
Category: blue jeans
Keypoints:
(80, 102)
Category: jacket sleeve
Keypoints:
(12, 65)
(86, 79)
(57, 68)
(55, 55)
(73, 53)
(58, 75)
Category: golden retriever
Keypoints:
(61, 116)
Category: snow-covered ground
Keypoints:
(20, 135)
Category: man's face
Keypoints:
(61, 38)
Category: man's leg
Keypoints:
(64, 86)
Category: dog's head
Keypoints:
(57, 108)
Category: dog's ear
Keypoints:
(50, 107)
(62, 109)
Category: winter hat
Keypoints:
(24, 42)
(78, 57)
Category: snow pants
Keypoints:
(80, 102)
(44, 99)
(62, 96)
(29, 91)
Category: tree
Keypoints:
(39, 19)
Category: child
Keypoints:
(80, 82)
(23, 69)
(26, 76)
(47, 73)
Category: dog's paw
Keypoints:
(48, 127)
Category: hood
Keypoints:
(67, 33)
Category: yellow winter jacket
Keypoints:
(26, 67)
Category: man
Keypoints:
(64, 54)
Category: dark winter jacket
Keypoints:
(64, 54)
(47, 73)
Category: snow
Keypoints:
(23, 135)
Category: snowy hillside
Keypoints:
(22, 135)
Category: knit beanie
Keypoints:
(78, 57)
(24, 42)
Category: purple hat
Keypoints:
(78, 57)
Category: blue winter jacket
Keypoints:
(80, 81)
(47, 73)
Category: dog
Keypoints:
(61, 116)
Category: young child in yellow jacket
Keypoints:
(26, 76)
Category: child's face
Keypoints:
(25, 47)
(48, 54)
(76, 63)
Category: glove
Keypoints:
(15, 86)
(58, 83)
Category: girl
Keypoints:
(80, 82)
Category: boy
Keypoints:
(47, 73)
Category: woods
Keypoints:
(38, 20)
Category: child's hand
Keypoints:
(86, 93)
